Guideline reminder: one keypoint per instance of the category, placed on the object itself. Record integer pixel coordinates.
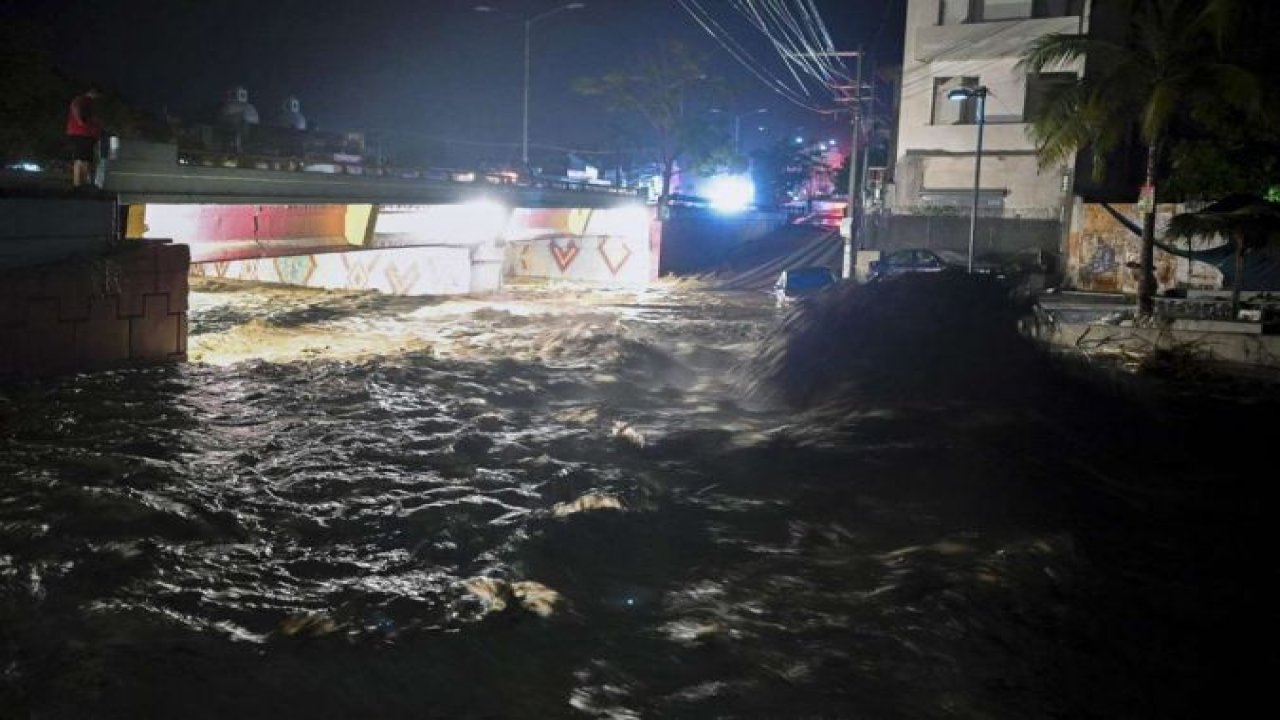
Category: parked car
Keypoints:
(802, 282)
(922, 260)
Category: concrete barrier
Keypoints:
(128, 307)
(43, 230)
(1245, 348)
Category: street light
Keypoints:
(528, 28)
(962, 95)
(737, 124)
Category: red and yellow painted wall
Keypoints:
(408, 249)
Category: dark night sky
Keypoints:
(430, 67)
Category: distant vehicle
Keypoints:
(802, 282)
(921, 260)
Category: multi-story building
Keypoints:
(954, 44)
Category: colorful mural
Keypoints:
(1102, 253)
(614, 246)
(229, 232)
(484, 242)
(394, 271)
(471, 224)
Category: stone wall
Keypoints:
(128, 307)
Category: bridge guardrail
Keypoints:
(354, 165)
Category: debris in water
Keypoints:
(623, 431)
(591, 501)
(309, 625)
(914, 338)
(500, 595)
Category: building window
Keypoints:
(954, 12)
(1041, 89)
(954, 112)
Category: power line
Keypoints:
(726, 41)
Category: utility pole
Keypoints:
(854, 210)
(528, 32)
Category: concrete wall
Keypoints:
(613, 247)
(999, 236)
(239, 231)
(1246, 349)
(696, 240)
(1100, 248)
(128, 307)
(394, 271)
(409, 249)
(42, 230)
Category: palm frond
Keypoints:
(1238, 87)
(1061, 127)
(1052, 51)
(1221, 18)
(1058, 50)
(1159, 109)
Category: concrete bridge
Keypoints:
(103, 279)
(149, 173)
(87, 281)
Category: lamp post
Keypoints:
(737, 125)
(528, 31)
(980, 94)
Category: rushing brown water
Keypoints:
(563, 504)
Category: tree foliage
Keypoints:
(670, 92)
(1174, 57)
(35, 96)
(783, 168)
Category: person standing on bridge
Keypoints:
(83, 133)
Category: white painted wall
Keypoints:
(941, 156)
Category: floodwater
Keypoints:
(569, 504)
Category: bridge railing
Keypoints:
(340, 164)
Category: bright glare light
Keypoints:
(485, 218)
(731, 193)
(799, 140)
(26, 166)
(627, 221)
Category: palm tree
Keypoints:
(1174, 56)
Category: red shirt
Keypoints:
(80, 118)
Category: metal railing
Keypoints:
(355, 165)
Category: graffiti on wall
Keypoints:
(1103, 255)
(614, 245)
(394, 271)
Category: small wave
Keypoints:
(930, 338)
